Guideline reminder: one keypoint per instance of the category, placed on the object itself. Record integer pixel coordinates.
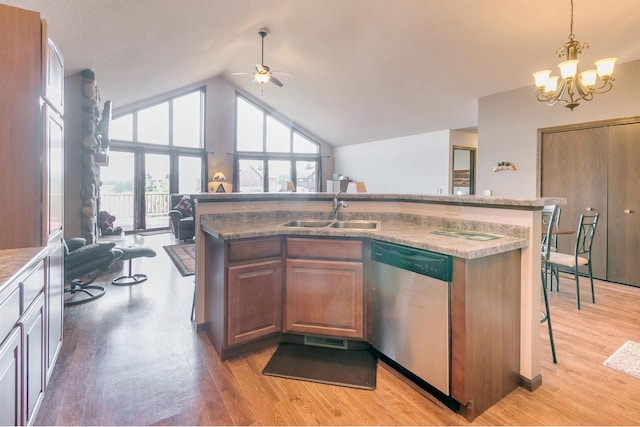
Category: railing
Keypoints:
(121, 206)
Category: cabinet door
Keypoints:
(32, 324)
(10, 380)
(254, 301)
(574, 165)
(54, 188)
(54, 303)
(324, 298)
(624, 204)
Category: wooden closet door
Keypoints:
(624, 204)
(574, 165)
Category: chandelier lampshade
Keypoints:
(573, 86)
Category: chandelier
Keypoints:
(572, 86)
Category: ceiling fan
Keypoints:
(263, 74)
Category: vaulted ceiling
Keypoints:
(362, 70)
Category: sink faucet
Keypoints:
(337, 204)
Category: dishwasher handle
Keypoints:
(426, 263)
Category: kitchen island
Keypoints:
(494, 290)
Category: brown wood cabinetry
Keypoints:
(31, 159)
(10, 378)
(485, 330)
(243, 289)
(255, 301)
(23, 363)
(324, 287)
(597, 168)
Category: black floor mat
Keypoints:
(348, 368)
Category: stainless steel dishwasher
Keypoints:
(411, 310)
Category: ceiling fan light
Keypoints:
(568, 68)
(589, 78)
(541, 78)
(261, 78)
(605, 66)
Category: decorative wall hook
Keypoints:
(504, 166)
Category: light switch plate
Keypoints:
(487, 192)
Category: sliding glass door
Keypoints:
(156, 190)
(116, 193)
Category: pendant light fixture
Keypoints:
(573, 86)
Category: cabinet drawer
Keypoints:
(9, 309)
(32, 285)
(324, 249)
(242, 250)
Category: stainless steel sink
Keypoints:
(358, 224)
(312, 223)
(320, 223)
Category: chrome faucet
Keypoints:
(337, 204)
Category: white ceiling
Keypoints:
(362, 70)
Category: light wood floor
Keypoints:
(133, 358)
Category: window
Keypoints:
(271, 155)
(162, 145)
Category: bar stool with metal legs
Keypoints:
(549, 214)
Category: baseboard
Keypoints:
(530, 384)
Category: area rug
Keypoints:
(626, 359)
(348, 368)
(184, 257)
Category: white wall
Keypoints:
(416, 164)
(508, 126)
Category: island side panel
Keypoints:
(215, 312)
(485, 330)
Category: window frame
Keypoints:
(265, 156)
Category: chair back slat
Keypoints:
(585, 234)
(549, 216)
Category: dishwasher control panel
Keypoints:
(432, 264)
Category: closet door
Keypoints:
(624, 204)
(574, 165)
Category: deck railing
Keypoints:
(121, 206)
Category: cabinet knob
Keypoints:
(627, 211)
(588, 209)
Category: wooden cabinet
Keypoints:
(254, 301)
(32, 324)
(22, 337)
(243, 293)
(10, 379)
(54, 303)
(485, 330)
(324, 287)
(597, 168)
(21, 152)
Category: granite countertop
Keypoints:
(13, 262)
(534, 203)
(401, 232)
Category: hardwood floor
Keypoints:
(133, 357)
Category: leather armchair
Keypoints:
(183, 227)
(86, 261)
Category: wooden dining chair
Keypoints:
(581, 257)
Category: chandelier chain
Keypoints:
(571, 36)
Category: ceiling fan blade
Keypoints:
(275, 81)
(281, 73)
(241, 74)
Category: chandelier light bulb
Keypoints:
(589, 78)
(569, 68)
(605, 66)
(552, 84)
(541, 78)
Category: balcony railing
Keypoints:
(121, 206)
